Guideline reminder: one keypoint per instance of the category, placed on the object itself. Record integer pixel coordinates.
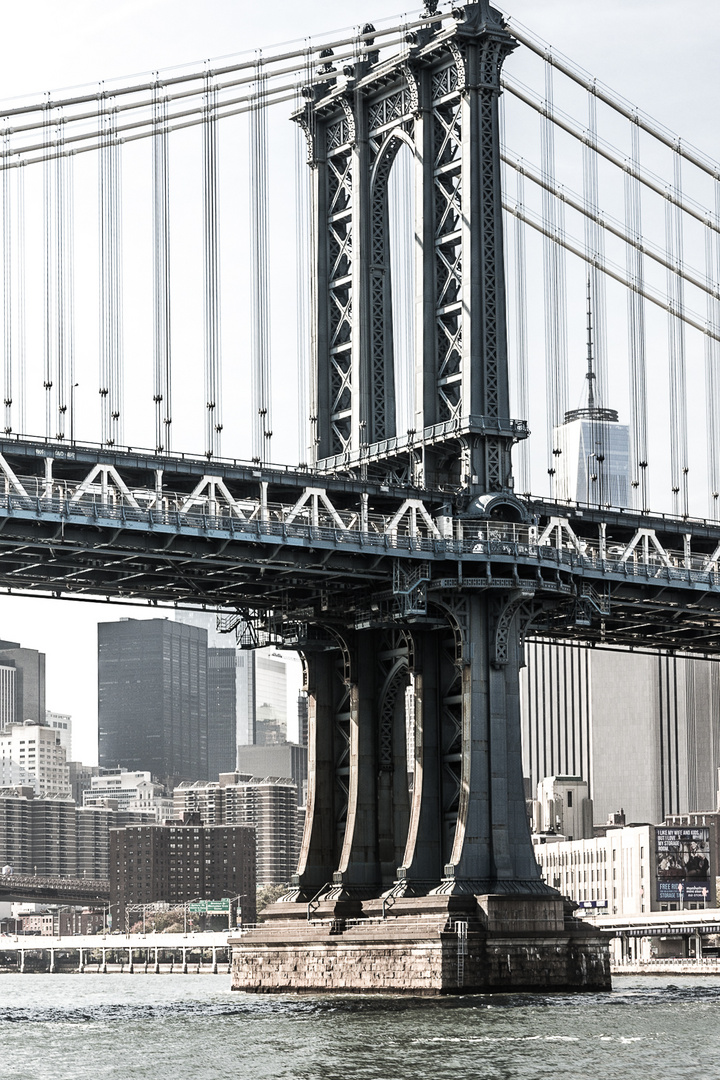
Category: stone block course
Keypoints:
(416, 956)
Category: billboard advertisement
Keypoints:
(683, 864)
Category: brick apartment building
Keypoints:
(181, 862)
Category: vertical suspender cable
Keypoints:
(259, 268)
(61, 327)
(676, 346)
(161, 273)
(48, 351)
(69, 279)
(110, 255)
(712, 360)
(213, 390)
(20, 320)
(302, 267)
(554, 282)
(103, 243)
(523, 401)
(634, 261)
(116, 382)
(7, 291)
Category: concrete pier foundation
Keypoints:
(463, 944)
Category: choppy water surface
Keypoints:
(108, 1027)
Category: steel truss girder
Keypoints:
(74, 556)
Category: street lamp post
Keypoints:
(234, 899)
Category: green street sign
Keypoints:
(210, 907)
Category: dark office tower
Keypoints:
(152, 698)
(303, 718)
(222, 710)
(28, 680)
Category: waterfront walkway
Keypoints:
(152, 952)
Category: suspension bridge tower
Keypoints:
(417, 870)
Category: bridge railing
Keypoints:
(313, 516)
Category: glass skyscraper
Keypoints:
(153, 698)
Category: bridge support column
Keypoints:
(325, 686)
(22, 961)
(422, 860)
(104, 962)
(184, 960)
(358, 870)
(157, 962)
(214, 960)
(52, 968)
(81, 964)
(130, 960)
(491, 849)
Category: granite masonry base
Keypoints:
(423, 946)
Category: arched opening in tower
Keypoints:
(401, 221)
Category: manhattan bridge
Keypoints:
(476, 230)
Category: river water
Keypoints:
(191, 1027)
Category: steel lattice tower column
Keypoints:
(441, 101)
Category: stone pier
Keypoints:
(465, 944)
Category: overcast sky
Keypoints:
(662, 56)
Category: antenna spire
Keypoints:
(590, 372)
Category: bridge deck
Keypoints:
(231, 536)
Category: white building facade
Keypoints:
(32, 755)
(62, 724)
(563, 807)
(638, 868)
(119, 785)
(613, 871)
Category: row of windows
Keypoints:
(549, 858)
